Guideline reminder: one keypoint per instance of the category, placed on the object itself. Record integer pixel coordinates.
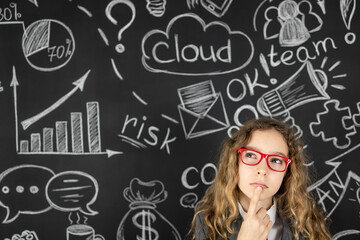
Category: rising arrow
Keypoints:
(14, 83)
(79, 84)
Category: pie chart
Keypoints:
(48, 44)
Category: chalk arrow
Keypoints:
(111, 153)
(14, 83)
(79, 84)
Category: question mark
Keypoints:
(120, 48)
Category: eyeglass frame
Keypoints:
(262, 155)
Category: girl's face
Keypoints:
(267, 142)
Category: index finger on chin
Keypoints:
(254, 201)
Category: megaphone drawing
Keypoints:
(304, 86)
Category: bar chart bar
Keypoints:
(35, 142)
(61, 136)
(77, 139)
(93, 121)
(24, 146)
(48, 136)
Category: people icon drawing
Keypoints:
(293, 31)
(296, 22)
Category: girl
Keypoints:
(260, 191)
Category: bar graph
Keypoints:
(68, 137)
(80, 134)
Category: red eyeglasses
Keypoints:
(275, 162)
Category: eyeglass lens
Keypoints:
(277, 163)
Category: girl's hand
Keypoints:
(257, 224)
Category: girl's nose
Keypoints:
(262, 167)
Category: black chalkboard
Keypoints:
(113, 112)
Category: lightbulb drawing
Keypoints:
(347, 9)
(156, 7)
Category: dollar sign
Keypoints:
(145, 225)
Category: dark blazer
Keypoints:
(201, 229)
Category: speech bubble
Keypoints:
(72, 191)
(22, 190)
(189, 200)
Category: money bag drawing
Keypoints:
(143, 221)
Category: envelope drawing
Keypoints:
(213, 119)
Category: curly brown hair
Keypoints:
(220, 203)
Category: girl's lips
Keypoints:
(263, 186)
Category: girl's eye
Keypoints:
(279, 161)
(250, 155)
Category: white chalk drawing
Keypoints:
(233, 85)
(301, 54)
(26, 234)
(292, 30)
(72, 191)
(82, 232)
(40, 51)
(207, 176)
(47, 44)
(310, 16)
(251, 83)
(321, 4)
(22, 190)
(242, 108)
(43, 144)
(341, 196)
(264, 64)
(143, 221)
(347, 9)
(257, 12)
(32, 189)
(350, 191)
(216, 7)
(287, 118)
(342, 116)
(269, 15)
(35, 2)
(356, 117)
(156, 8)
(10, 14)
(174, 52)
(140, 99)
(85, 10)
(331, 68)
(145, 135)
(37, 190)
(304, 86)
(120, 48)
(116, 70)
(202, 110)
(132, 142)
(189, 200)
(329, 186)
(191, 3)
(171, 119)
(79, 85)
(350, 232)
